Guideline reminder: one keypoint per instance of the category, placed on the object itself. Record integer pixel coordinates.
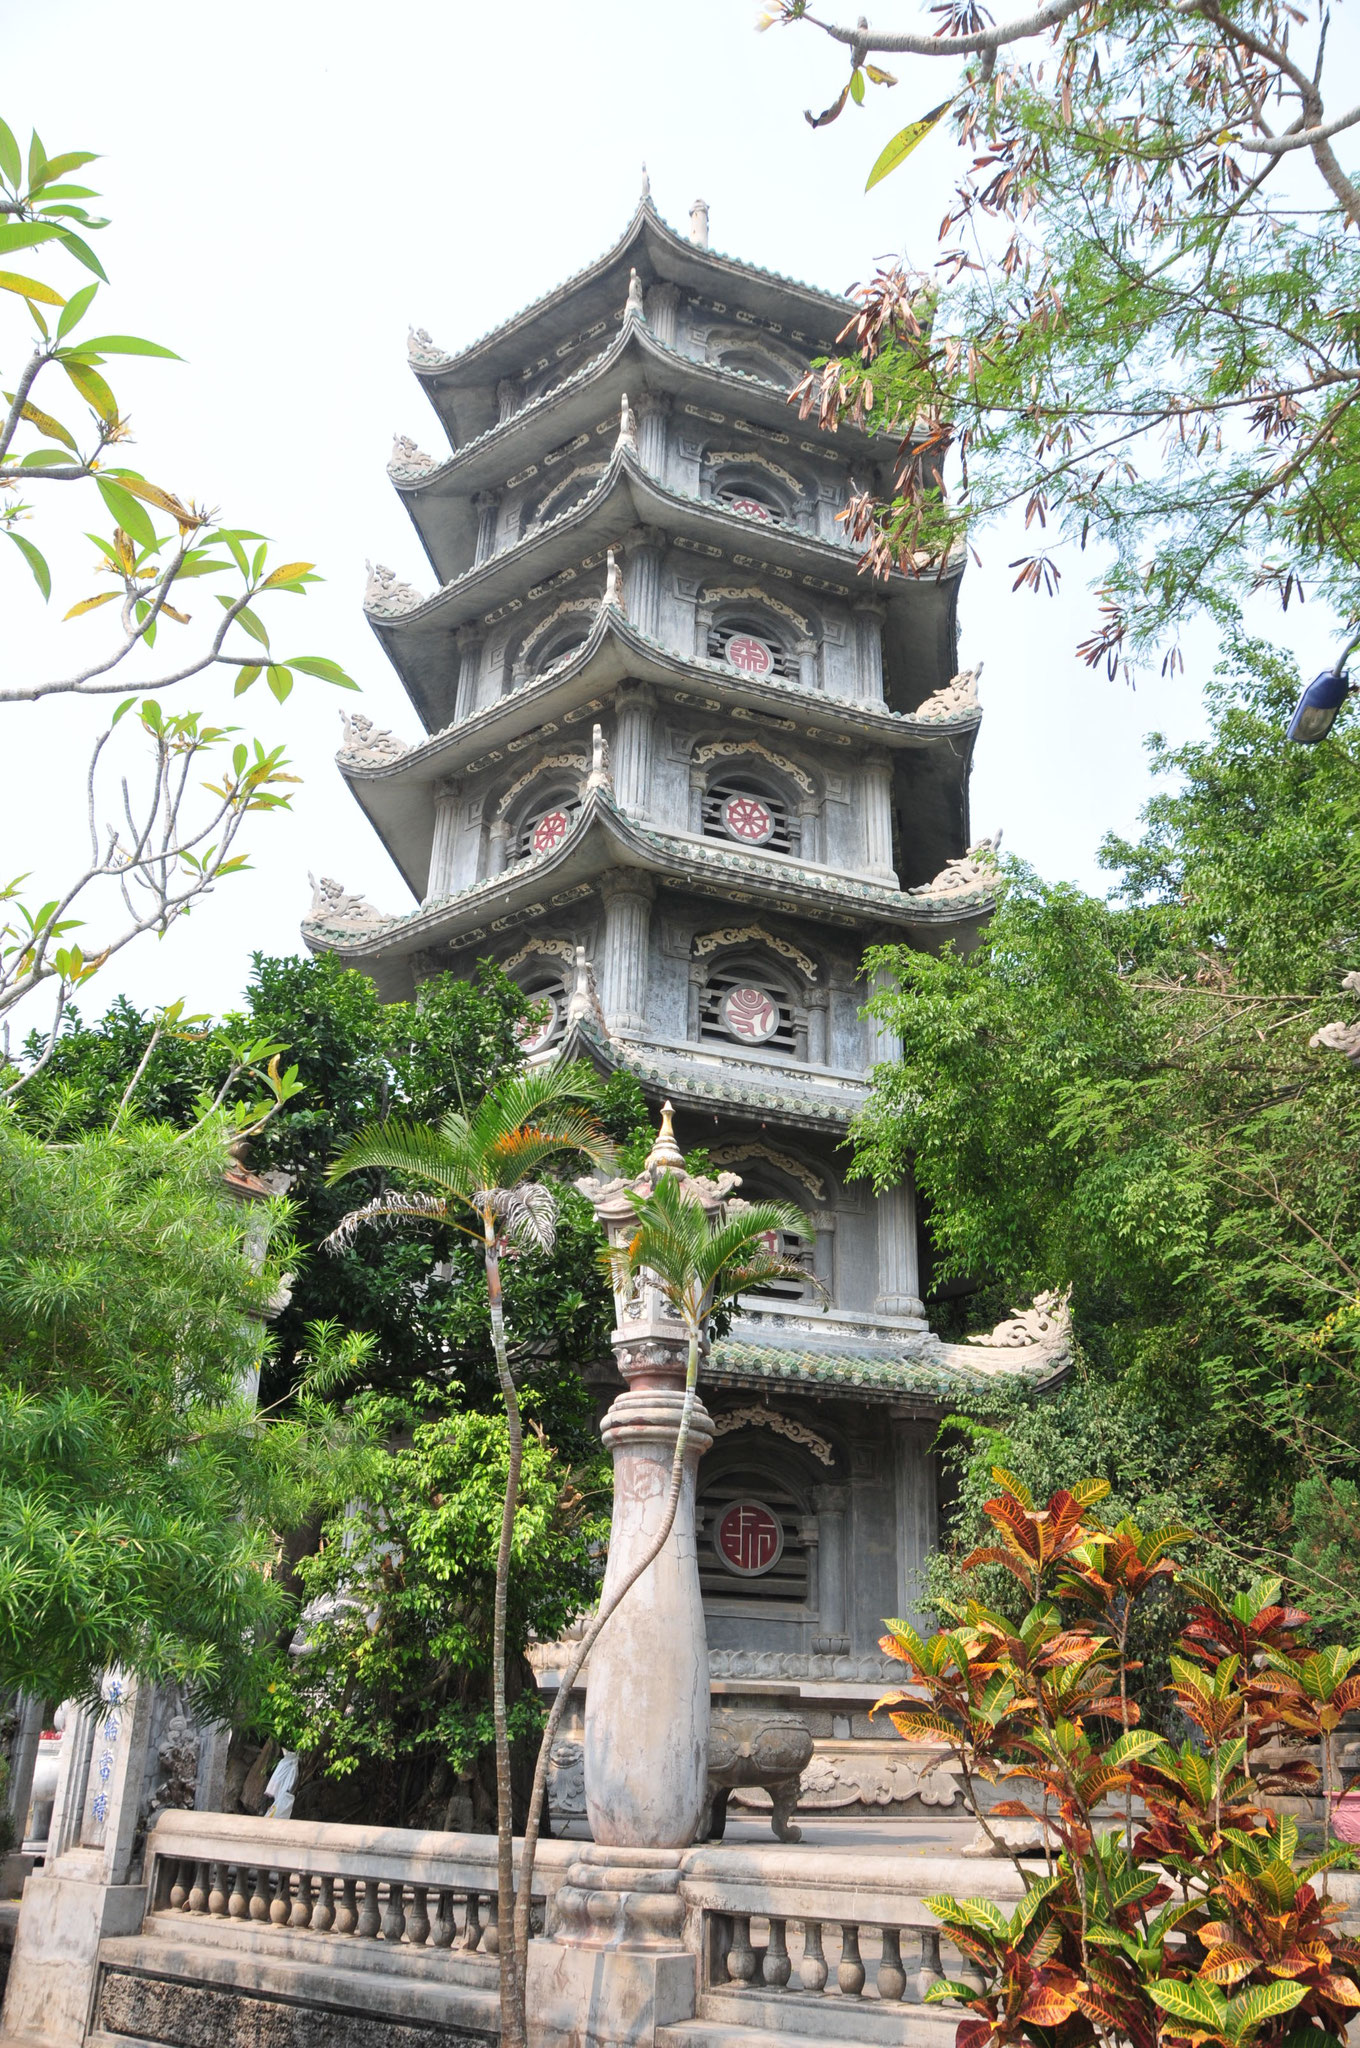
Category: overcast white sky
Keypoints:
(291, 185)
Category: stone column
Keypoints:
(663, 301)
(444, 846)
(917, 1511)
(824, 1249)
(810, 836)
(644, 547)
(817, 1004)
(27, 1725)
(899, 1286)
(634, 709)
(487, 506)
(878, 817)
(468, 642)
(869, 617)
(884, 1043)
(628, 894)
(652, 408)
(613, 1966)
(832, 1504)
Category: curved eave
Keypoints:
(419, 642)
(925, 1378)
(603, 838)
(397, 796)
(439, 500)
(462, 388)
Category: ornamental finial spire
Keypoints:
(665, 1155)
(635, 308)
(627, 426)
(698, 223)
(613, 583)
(646, 184)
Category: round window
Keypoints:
(746, 818)
(753, 657)
(749, 1539)
(549, 831)
(751, 1014)
(750, 508)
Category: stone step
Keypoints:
(99, 2039)
(755, 2019)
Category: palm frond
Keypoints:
(700, 1263)
(525, 1149)
(401, 1145)
(390, 1208)
(528, 1214)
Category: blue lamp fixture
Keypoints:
(1315, 712)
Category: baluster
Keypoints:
(929, 1971)
(301, 1914)
(850, 1970)
(179, 1890)
(281, 1905)
(370, 1919)
(238, 1902)
(812, 1973)
(323, 1912)
(968, 1972)
(775, 1966)
(347, 1912)
(217, 1892)
(472, 1926)
(443, 1921)
(491, 1932)
(892, 1978)
(198, 1896)
(418, 1919)
(394, 1919)
(741, 1957)
(259, 1897)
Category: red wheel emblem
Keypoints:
(549, 832)
(750, 1013)
(746, 817)
(753, 657)
(533, 1037)
(750, 1539)
(750, 507)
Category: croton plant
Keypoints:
(1167, 1905)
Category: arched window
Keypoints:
(560, 646)
(748, 644)
(753, 1545)
(757, 362)
(536, 1034)
(753, 497)
(567, 492)
(742, 1004)
(786, 1244)
(736, 807)
(545, 823)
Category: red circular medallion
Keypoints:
(746, 817)
(753, 657)
(750, 1013)
(549, 832)
(750, 507)
(749, 1539)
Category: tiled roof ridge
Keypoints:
(644, 212)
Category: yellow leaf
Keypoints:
(90, 604)
(170, 613)
(29, 288)
(904, 142)
(45, 424)
(289, 573)
(166, 500)
(92, 389)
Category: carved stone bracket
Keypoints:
(736, 935)
(756, 1417)
(756, 1148)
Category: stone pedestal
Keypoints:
(613, 1966)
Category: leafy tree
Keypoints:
(478, 1172)
(391, 1679)
(140, 1489)
(1190, 1924)
(1140, 323)
(1139, 1099)
(165, 847)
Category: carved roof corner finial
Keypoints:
(960, 693)
(1344, 1035)
(583, 1004)
(364, 741)
(1046, 1324)
(613, 583)
(407, 459)
(646, 184)
(599, 776)
(665, 1155)
(422, 350)
(333, 906)
(698, 223)
(627, 426)
(385, 597)
(971, 874)
(635, 309)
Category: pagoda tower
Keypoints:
(681, 763)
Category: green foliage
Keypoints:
(392, 1680)
(1188, 1922)
(1123, 1097)
(139, 1489)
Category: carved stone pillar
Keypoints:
(663, 301)
(495, 847)
(885, 1044)
(816, 1026)
(443, 851)
(869, 618)
(810, 843)
(878, 817)
(899, 1285)
(832, 1504)
(468, 641)
(824, 1249)
(628, 894)
(652, 408)
(487, 506)
(642, 570)
(507, 398)
(26, 1726)
(635, 718)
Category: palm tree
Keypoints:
(477, 1173)
(700, 1263)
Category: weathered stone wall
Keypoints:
(186, 2015)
